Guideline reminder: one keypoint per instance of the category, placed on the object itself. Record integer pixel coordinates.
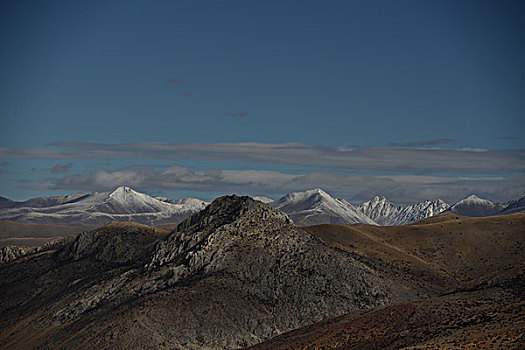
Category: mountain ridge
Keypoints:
(305, 208)
(121, 204)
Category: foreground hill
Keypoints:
(233, 275)
(475, 264)
(482, 317)
(122, 204)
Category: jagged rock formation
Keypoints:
(380, 209)
(419, 211)
(318, 207)
(385, 213)
(232, 275)
(515, 206)
(12, 252)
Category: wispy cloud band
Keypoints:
(364, 160)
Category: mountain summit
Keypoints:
(125, 200)
(475, 206)
(318, 207)
(380, 209)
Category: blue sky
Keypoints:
(369, 77)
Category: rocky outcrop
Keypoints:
(10, 253)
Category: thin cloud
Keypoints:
(185, 93)
(364, 160)
(435, 142)
(506, 137)
(61, 168)
(239, 115)
(176, 81)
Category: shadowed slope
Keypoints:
(480, 262)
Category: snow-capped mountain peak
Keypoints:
(301, 196)
(125, 194)
(475, 206)
(422, 210)
(384, 212)
(122, 204)
(473, 199)
(316, 206)
(126, 200)
(379, 209)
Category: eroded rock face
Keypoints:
(230, 276)
(10, 253)
(231, 216)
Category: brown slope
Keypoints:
(479, 318)
(481, 257)
(447, 248)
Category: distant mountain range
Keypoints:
(318, 207)
(304, 208)
(122, 204)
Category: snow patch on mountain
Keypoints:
(263, 199)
